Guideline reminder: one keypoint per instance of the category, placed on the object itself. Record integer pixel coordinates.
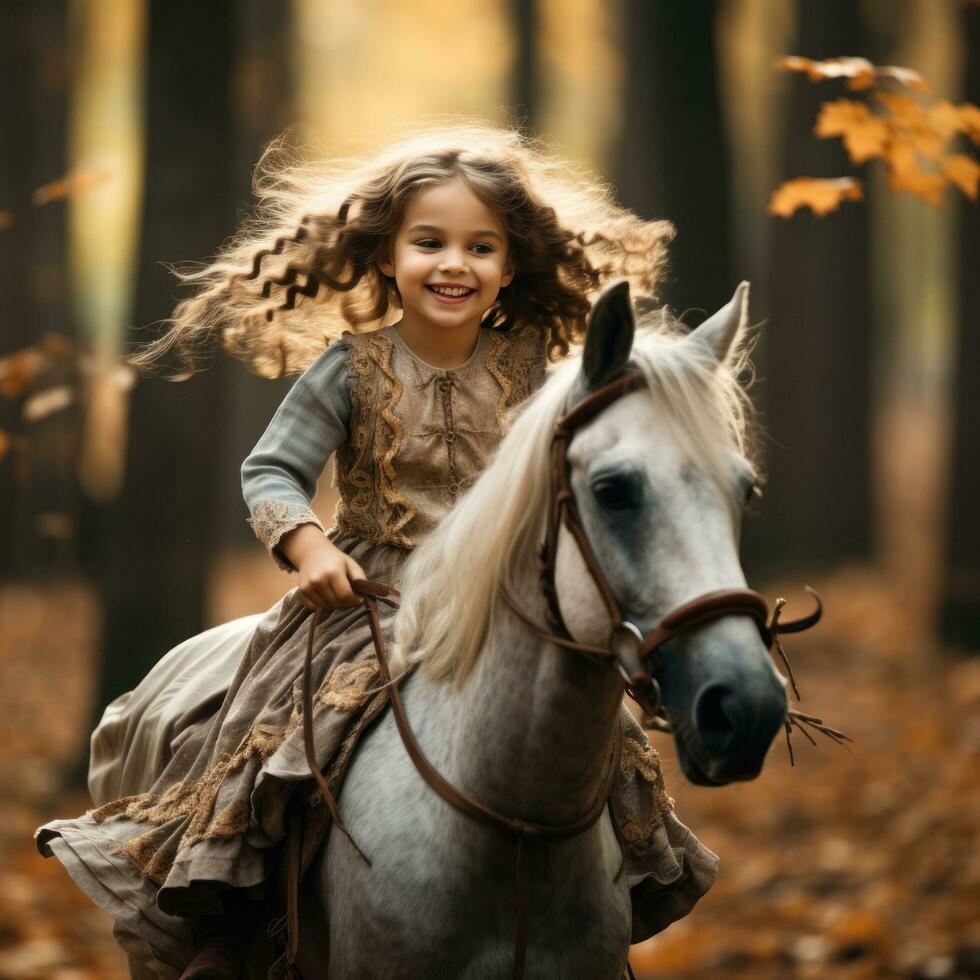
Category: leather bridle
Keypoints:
(636, 656)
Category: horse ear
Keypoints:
(609, 337)
(719, 331)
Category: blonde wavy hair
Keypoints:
(304, 267)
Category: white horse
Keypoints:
(660, 478)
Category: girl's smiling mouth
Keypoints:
(451, 294)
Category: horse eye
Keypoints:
(617, 492)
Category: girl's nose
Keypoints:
(453, 263)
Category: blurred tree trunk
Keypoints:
(37, 485)
(816, 374)
(673, 155)
(960, 600)
(154, 544)
(524, 84)
(263, 87)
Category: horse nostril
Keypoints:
(713, 717)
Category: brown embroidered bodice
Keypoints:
(420, 435)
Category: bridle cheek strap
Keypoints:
(636, 656)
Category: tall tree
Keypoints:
(525, 86)
(263, 88)
(672, 154)
(154, 543)
(960, 601)
(36, 478)
(816, 346)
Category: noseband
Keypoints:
(636, 656)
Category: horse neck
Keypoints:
(530, 732)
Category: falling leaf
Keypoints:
(859, 73)
(44, 403)
(66, 186)
(964, 172)
(820, 195)
(865, 135)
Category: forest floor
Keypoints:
(848, 865)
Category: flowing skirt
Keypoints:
(192, 771)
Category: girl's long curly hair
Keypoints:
(304, 267)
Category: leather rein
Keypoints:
(635, 656)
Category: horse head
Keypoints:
(660, 478)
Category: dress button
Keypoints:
(454, 488)
(445, 385)
(450, 436)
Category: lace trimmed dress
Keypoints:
(192, 771)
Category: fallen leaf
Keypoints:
(820, 195)
(865, 135)
(964, 172)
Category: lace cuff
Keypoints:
(271, 519)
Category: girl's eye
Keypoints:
(428, 243)
(487, 249)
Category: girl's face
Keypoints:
(449, 257)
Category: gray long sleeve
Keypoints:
(280, 474)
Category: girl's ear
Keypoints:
(387, 267)
(509, 271)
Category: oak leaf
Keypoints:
(820, 195)
(865, 135)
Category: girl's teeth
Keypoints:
(450, 292)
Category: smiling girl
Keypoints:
(422, 293)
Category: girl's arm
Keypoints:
(280, 474)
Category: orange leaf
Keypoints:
(970, 121)
(821, 196)
(17, 370)
(923, 184)
(944, 118)
(964, 172)
(905, 76)
(865, 135)
(859, 72)
(66, 186)
(6, 219)
(911, 120)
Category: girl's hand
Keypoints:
(325, 572)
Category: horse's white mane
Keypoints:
(450, 583)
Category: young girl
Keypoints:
(460, 261)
